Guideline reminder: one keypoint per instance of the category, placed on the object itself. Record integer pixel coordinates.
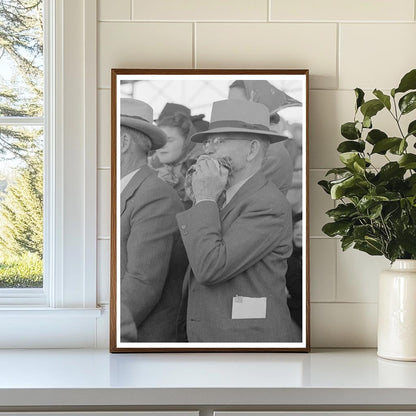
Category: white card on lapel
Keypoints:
(248, 308)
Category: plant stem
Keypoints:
(397, 118)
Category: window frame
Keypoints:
(68, 299)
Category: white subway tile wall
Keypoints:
(200, 10)
(357, 275)
(142, 45)
(339, 11)
(345, 44)
(114, 10)
(104, 202)
(375, 54)
(103, 270)
(323, 269)
(104, 128)
(270, 45)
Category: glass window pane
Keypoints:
(21, 207)
(21, 58)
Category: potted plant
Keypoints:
(376, 207)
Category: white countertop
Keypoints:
(96, 377)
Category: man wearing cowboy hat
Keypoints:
(152, 259)
(235, 283)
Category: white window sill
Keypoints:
(40, 327)
(35, 311)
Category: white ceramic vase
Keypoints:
(397, 312)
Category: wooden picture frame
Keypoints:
(186, 274)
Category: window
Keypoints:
(63, 312)
(22, 128)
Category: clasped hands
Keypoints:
(209, 179)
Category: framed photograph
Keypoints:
(209, 211)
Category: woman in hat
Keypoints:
(179, 153)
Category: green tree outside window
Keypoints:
(21, 143)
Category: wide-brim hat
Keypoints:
(138, 115)
(239, 116)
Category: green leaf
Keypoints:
(368, 248)
(350, 146)
(369, 201)
(325, 186)
(338, 171)
(411, 130)
(411, 180)
(338, 188)
(408, 161)
(359, 95)
(348, 158)
(385, 99)
(398, 149)
(350, 187)
(361, 231)
(349, 131)
(393, 92)
(375, 212)
(407, 240)
(408, 102)
(383, 145)
(393, 250)
(342, 211)
(359, 166)
(391, 170)
(371, 108)
(367, 122)
(333, 229)
(402, 147)
(375, 135)
(346, 242)
(408, 82)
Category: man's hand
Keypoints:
(208, 180)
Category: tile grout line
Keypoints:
(344, 302)
(194, 63)
(338, 66)
(131, 9)
(336, 271)
(306, 22)
(269, 11)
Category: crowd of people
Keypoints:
(210, 221)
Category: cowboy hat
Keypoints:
(239, 116)
(138, 115)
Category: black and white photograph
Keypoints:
(209, 211)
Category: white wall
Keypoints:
(345, 44)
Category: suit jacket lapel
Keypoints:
(131, 187)
(256, 182)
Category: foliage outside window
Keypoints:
(21, 143)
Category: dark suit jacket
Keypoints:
(152, 258)
(240, 250)
(278, 167)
